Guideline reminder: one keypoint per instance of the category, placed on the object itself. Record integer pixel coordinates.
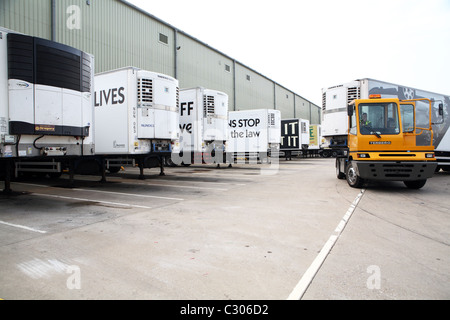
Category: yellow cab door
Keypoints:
(408, 116)
(416, 123)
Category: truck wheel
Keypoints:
(415, 184)
(113, 169)
(170, 163)
(353, 179)
(339, 174)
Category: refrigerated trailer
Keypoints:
(203, 127)
(136, 118)
(334, 110)
(254, 135)
(315, 140)
(46, 106)
(294, 137)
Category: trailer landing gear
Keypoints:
(8, 167)
(161, 167)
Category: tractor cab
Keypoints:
(388, 139)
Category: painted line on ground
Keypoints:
(181, 186)
(129, 194)
(241, 176)
(190, 176)
(311, 272)
(90, 200)
(33, 184)
(22, 227)
(167, 185)
(103, 191)
(205, 182)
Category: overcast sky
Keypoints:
(307, 45)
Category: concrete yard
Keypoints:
(251, 232)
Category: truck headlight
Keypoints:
(429, 155)
(363, 155)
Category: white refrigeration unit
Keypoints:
(203, 126)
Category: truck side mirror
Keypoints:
(441, 109)
(350, 110)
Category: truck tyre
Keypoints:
(113, 169)
(415, 184)
(339, 173)
(170, 163)
(55, 175)
(353, 179)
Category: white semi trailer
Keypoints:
(136, 118)
(203, 127)
(294, 137)
(335, 120)
(315, 140)
(46, 104)
(254, 135)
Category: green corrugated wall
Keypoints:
(119, 35)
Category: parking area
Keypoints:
(287, 230)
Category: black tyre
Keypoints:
(353, 179)
(170, 163)
(55, 175)
(114, 169)
(415, 184)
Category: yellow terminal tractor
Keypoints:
(389, 140)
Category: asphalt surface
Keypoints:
(250, 232)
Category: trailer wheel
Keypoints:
(113, 169)
(415, 184)
(55, 175)
(353, 179)
(170, 163)
(339, 173)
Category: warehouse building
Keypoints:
(120, 34)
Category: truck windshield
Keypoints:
(378, 119)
